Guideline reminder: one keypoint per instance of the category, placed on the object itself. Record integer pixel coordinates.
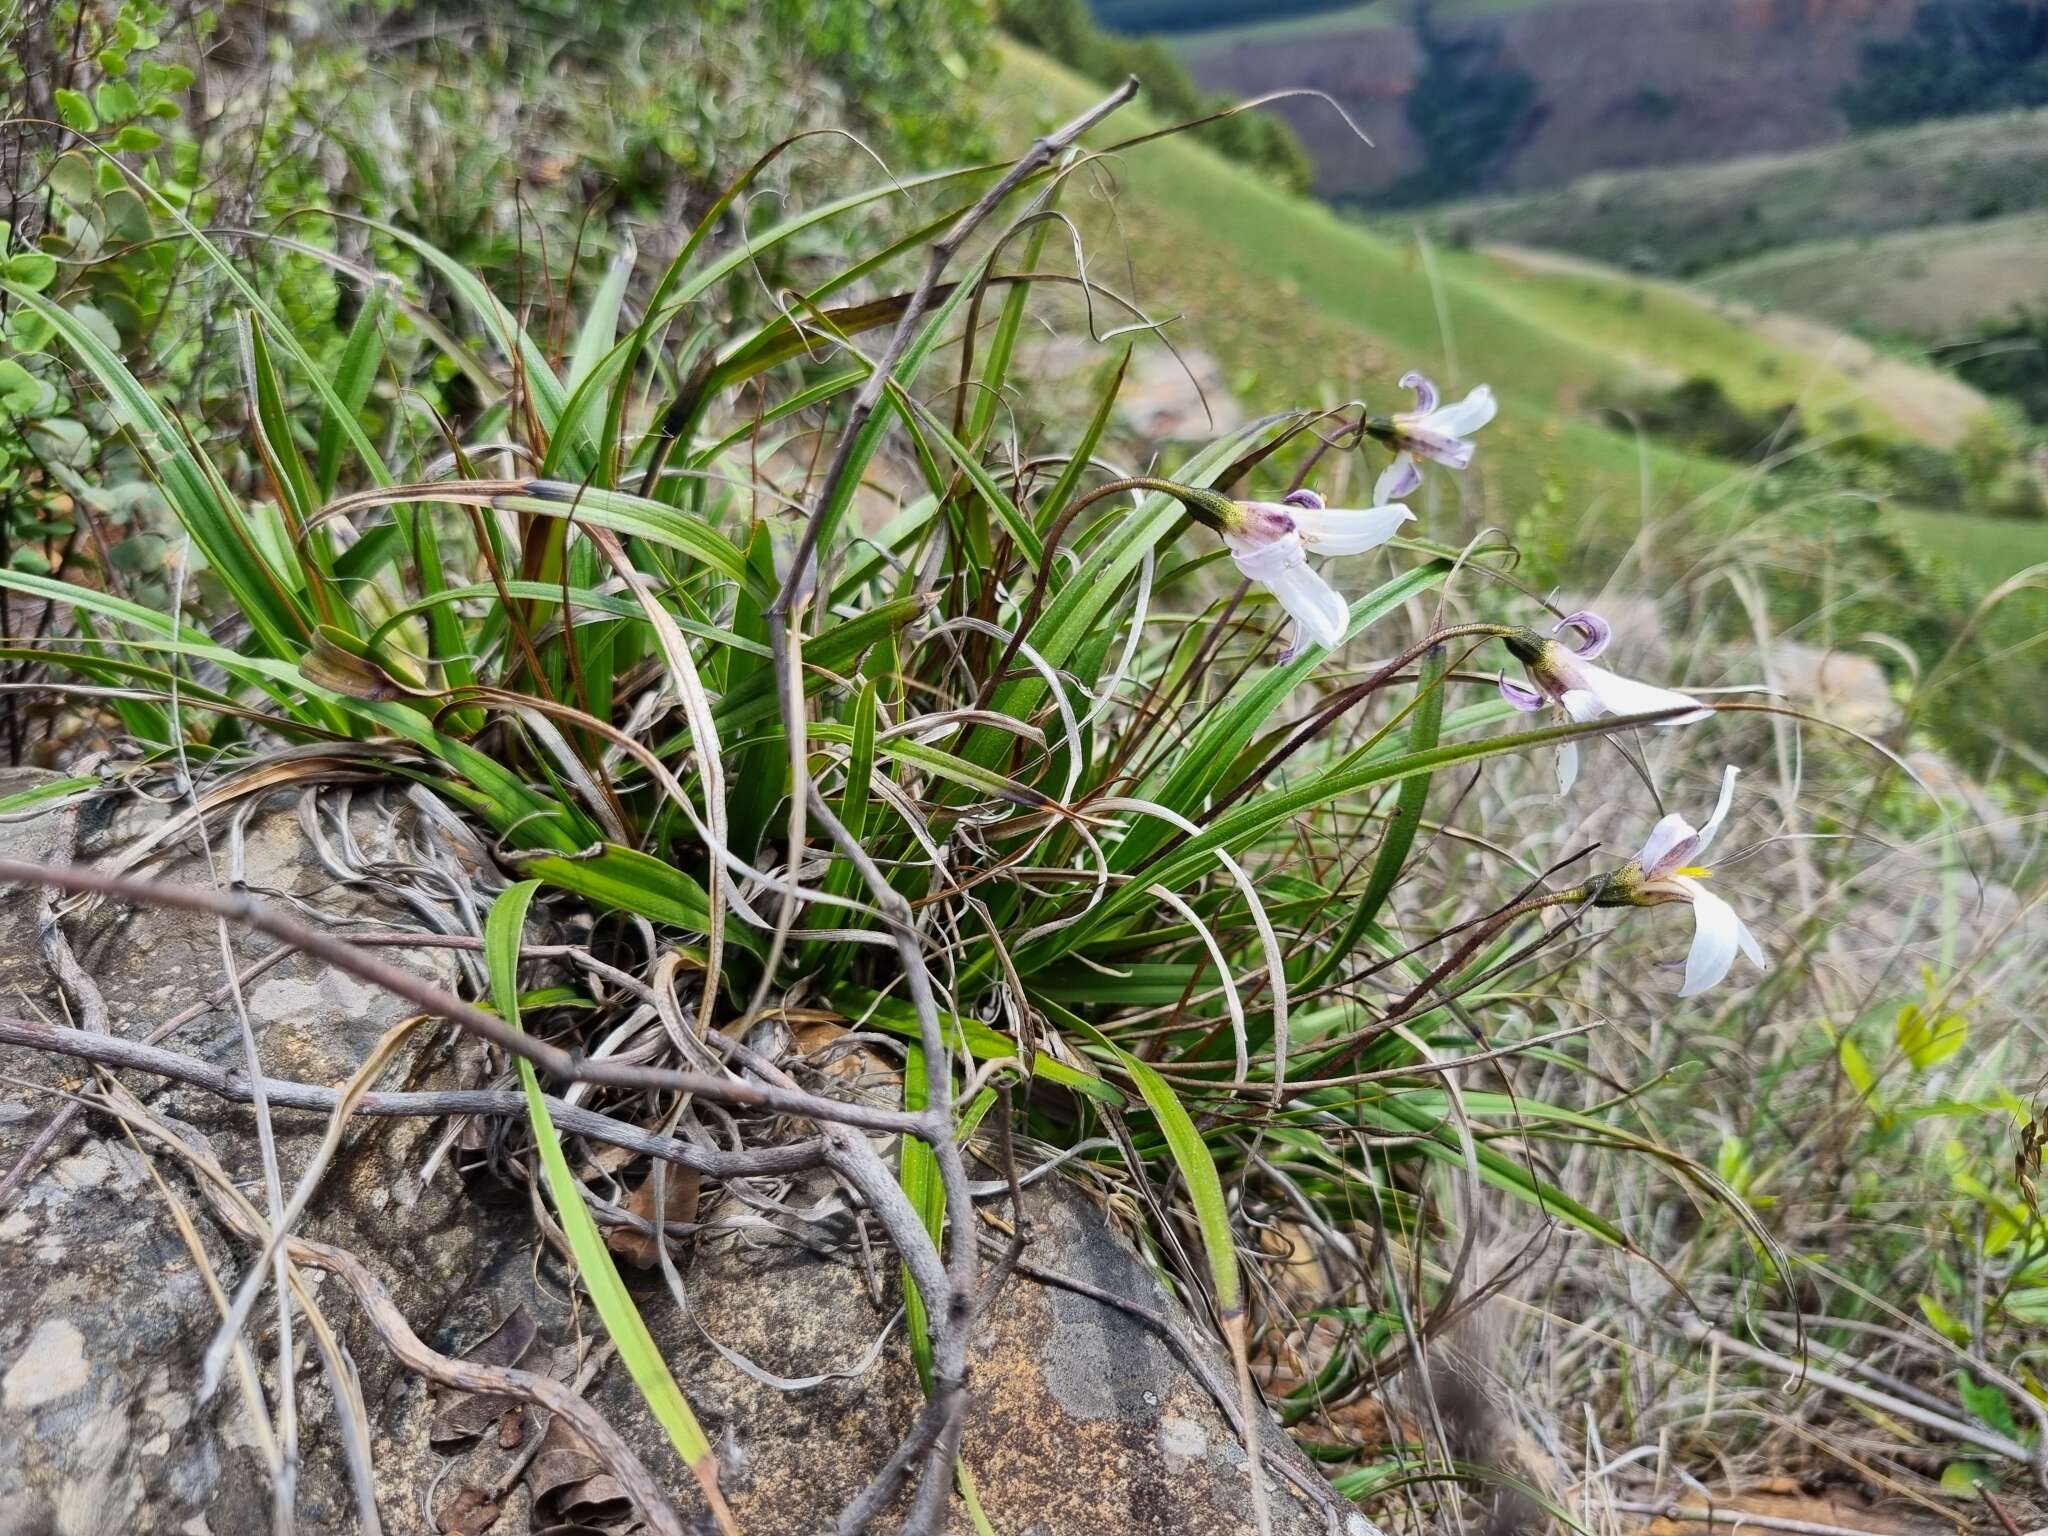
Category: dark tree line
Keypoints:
(1471, 106)
(1958, 56)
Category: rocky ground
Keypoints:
(1090, 1414)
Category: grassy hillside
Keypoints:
(1743, 348)
(1990, 548)
(1382, 299)
(1926, 285)
(1688, 219)
(1668, 333)
(1297, 301)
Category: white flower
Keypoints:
(1271, 553)
(1664, 872)
(1440, 432)
(1563, 674)
(1272, 540)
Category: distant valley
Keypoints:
(1662, 82)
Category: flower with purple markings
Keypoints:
(1272, 540)
(1561, 672)
(1665, 871)
(1435, 431)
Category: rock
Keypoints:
(1084, 1420)
(107, 1317)
(1168, 398)
(1958, 791)
(1846, 688)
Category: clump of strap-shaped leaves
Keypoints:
(1012, 774)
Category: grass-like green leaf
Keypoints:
(639, 1353)
(917, 1170)
(1391, 861)
(1198, 1172)
(983, 1042)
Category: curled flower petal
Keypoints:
(1468, 415)
(1398, 479)
(1521, 695)
(1718, 934)
(1303, 498)
(1268, 547)
(1675, 842)
(1582, 704)
(1425, 391)
(1586, 692)
(1660, 874)
(1620, 695)
(1444, 448)
(1338, 531)
(1752, 951)
(1671, 843)
(1720, 810)
(1585, 632)
(1436, 431)
(1265, 560)
(1567, 766)
(1314, 605)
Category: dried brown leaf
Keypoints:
(685, 1185)
(473, 1512)
(467, 1415)
(569, 1483)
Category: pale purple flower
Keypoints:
(1272, 541)
(1665, 871)
(1562, 673)
(1440, 432)
(1269, 550)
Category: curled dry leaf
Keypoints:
(511, 1428)
(464, 1416)
(814, 1035)
(640, 1248)
(569, 1483)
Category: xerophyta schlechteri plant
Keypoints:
(790, 672)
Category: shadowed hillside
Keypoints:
(1672, 81)
(1687, 221)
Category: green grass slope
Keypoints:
(1923, 285)
(1763, 358)
(1688, 219)
(1297, 302)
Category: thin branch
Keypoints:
(444, 1004)
(113, 1051)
